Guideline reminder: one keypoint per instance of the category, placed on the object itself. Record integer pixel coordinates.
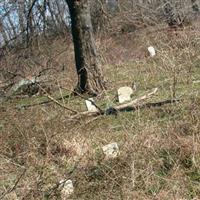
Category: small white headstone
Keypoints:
(124, 94)
(152, 51)
(67, 188)
(11, 196)
(195, 82)
(111, 150)
(90, 106)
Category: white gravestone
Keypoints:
(111, 150)
(11, 196)
(124, 94)
(67, 188)
(152, 51)
(90, 106)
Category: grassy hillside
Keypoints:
(159, 146)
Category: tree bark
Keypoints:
(30, 22)
(90, 78)
(3, 32)
(12, 26)
(53, 17)
(60, 15)
(20, 12)
(44, 16)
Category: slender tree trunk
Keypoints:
(20, 11)
(90, 78)
(30, 23)
(12, 26)
(52, 14)
(42, 10)
(3, 32)
(44, 16)
(56, 15)
(8, 31)
(60, 13)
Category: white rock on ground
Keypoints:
(90, 106)
(28, 85)
(67, 188)
(124, 94)
(152, 51)
(197, 81)
(11, 196)
(111, 150)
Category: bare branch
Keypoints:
(14, 186)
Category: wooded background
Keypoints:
(23, 20)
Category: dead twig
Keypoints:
(57, 102)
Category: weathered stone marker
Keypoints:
(111, 150)
(90, 106)
(124, 94)
(24, 86)
(67, 189)
(152, 51)
(195, 82)
(11, 196)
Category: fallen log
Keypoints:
(133, 105)
(130, 106)
(118, 108)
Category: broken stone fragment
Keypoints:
(124, 94)
(90, 106)
(111, 150)
(11, 196)
(195, 82)
(152, 51)
(24, 86)
(67, 188)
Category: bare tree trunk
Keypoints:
(56, 15)
(90, 78)
(20, 12)
(9, 20)
(12, 26)
(8, 31)
(3, 32)
(44, 16)
(52, 14)
(30, 23)
(42, 9)
(60, 13)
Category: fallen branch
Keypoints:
(131, 105)
(57, 102)
(51, 99)
(43, 102)
(119, 108)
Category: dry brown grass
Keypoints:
(159, 147)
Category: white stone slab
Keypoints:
(124, 94)
(91, 107)
(111, 150)
(152, 51)
(195, 82)
(67, 188)
(11, 196)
